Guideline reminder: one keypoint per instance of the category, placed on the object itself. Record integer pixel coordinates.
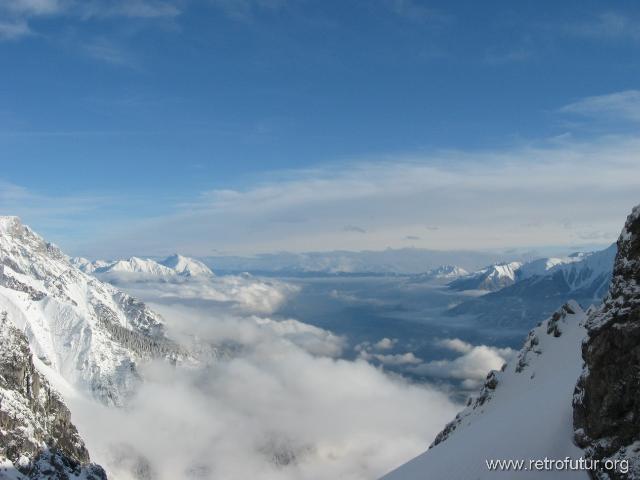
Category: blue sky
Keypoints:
(244, 123)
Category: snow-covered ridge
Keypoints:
(85, 331)
(171, 266)
(578, 270)
(523, 411)
(491, 278)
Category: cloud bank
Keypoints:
(563, 193)
(471, 367)
(274, 402)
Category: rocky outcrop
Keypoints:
(37, 438)
(607, 396)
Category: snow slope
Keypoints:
(85, 331)
(523, 412)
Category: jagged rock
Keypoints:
(36, 433)
(607, 396)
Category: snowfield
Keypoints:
(523, 412)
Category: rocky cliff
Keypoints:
(37, 438)
(607, 396)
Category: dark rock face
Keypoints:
(607, 396)
(36, 433)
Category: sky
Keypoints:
(248, 126)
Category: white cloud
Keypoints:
(245, 293)
(607, 26)
(18, 14)
(456, 345)
(279, 407)
(385, 344)
(108, 51)
(478, 200)
(33, 7)
(623, 105)
(471, 366)
(391, 359)
(14, 29)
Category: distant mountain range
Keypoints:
(444, 273)
(570, 396)
(171, 266)
(523, 294)
(404, 261)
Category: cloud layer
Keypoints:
(276, 403)
(471, 367)
(566, 192)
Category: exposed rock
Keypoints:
(36, 433)
(607, 396)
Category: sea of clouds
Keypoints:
(273, 400)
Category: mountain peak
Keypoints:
(9, 223)
(12, 226)
(186, 265)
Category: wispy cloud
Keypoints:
(500, 57)
(623, 105)
(33, 7)
(18, 14)
(562, 191)
(353, 228)
(246, 10)
(108, 51)
(142, 9)
(478, 200)
(415, 11)
(13, 30)
(607, 26)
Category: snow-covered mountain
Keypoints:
(443, 273)
(522, 412)
(37, 438)
(540, 287)
(498, 276)
(532, 410)
(136, 265)
(169, 267)
(186, 266)
(491, 278)
(82, 331)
